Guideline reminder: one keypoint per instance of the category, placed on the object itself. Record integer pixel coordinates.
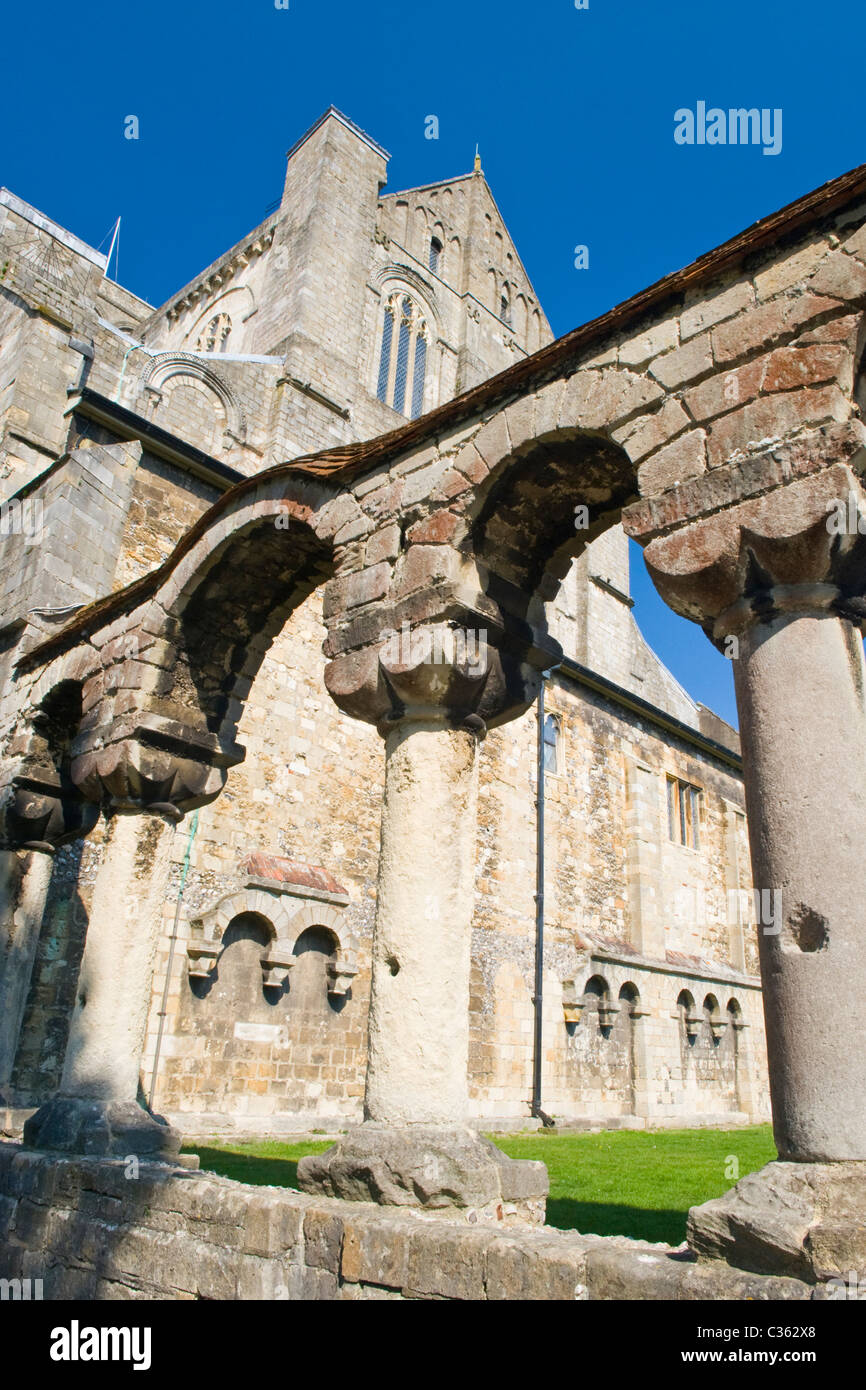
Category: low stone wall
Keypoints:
(94, 1229)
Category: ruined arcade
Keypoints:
(433, 491)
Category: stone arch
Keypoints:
(715, 1023)
(40, 805)
(235, 582)
(690, 1021)
(168, 366)
(597, 999)
(521, 318)
(420, 231)
(454, 262)
(629, 998)
(390, 279)
(239, 303)
(285, 920)
(545, 490)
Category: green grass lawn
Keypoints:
(635, 1183)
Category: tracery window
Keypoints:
(215, 337)
(403, 359)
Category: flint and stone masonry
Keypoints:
(276, 465)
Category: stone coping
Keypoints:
(93, 1229)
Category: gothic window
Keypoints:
(403, 359)
(552, 740)
(215, 337)
(505, 310)
(435, 255)
(684, 813)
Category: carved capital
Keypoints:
(462, 671)
(151, 761)
(797, 548)
(43, 811)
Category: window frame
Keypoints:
(403, 370)
(684, 802)
(554, 721)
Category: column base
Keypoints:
(101, 1129)
(438, 1168)
(807, 1220)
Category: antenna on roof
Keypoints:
(114, 242)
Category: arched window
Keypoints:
(552, 740)
(215, 337)
(435, 254)
(505, 307)
(403, 359)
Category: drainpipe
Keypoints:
(163, 1010)
(538, 997)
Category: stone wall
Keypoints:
(98, 1230)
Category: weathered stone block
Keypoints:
(636, 351)
(683, 364)
(640, 437)
(685, 458)
(273, 1227)
(614, 1273)
(551, 1267)
(770, 418)
(804, 1220)
(790, 368)
(840, 276)
(448, 1262)
(323, 1240)
(713, 309)
(375, 1251)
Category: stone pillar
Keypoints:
(419, 1006)
(415, 1147)
(24, 880)
(780, 588)
(800, 683)
(96, 1110)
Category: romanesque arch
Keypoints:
(716, 414)
(285, 920)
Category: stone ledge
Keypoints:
(92, 1232)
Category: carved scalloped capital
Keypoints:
(461, 672)
(152, 762)
(798, 548)
(40, 811)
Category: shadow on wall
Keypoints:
(53, 983)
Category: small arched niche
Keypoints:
(315, 953)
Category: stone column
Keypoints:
(800, 683)
(24, 880)
(419, 1006)
(96, 1110)
(781, 590)
(415, 1147)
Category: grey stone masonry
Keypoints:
(99, 1230)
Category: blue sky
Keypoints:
(573, 111)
